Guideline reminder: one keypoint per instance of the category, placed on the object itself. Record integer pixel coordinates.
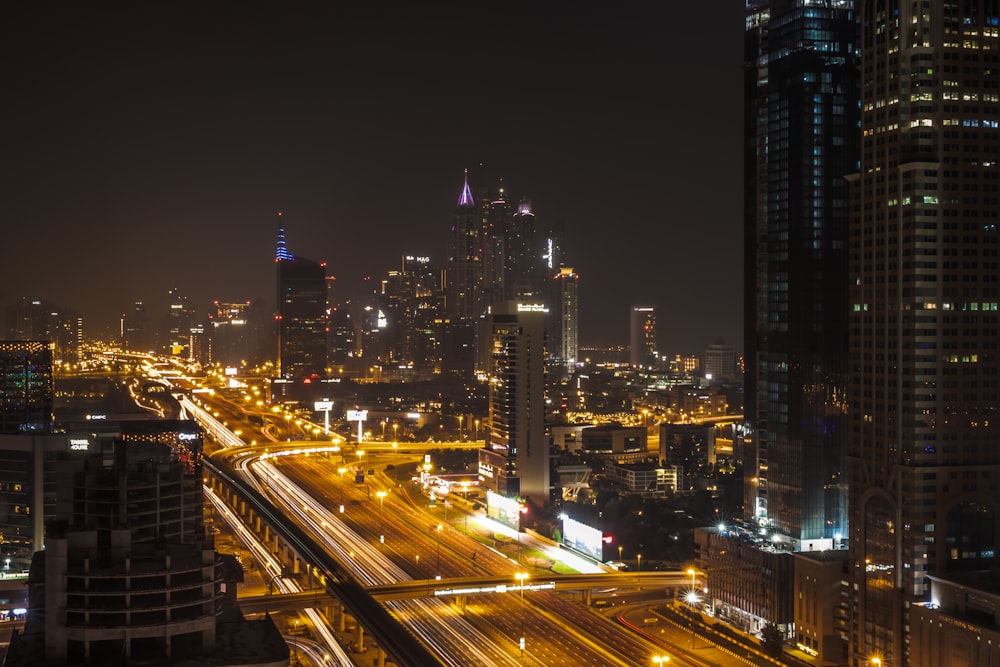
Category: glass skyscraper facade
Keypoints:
(801, 142)
(924, 444)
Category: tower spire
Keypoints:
(282, 251)
(466, 198)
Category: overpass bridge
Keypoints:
(462, 587)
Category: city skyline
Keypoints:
(155, 150)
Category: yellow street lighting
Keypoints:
(661, 659)
(521, 577)
(381, 517)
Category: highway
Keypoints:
(305, 488)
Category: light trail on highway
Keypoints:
(272, 567)
(452, 638)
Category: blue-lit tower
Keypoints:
(302, 322)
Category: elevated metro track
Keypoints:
(392, 636)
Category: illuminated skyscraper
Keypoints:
(515, 459)
(564, 350)
(923, 327)
(302, 314)
(180, 319)
(801, 141)
(465, 258)
(642, 336)
(26, 390)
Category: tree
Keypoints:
(772, 640)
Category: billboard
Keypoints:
(583, 538)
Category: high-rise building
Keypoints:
(524, 274)
(565, 349)
(302, 314)
(801, 127)
(180, 318)
(127, 562)
(923, 325)
(642, 336)
(412, 301)
(26, 390)
(465, 259)
(135, 333)
(720, 362)
(515, 458)
(232, 334)
(33, 319)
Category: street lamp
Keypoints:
(341, 470)
(381, 517)
(692, 599)
(477, 429)
(521, 576)
(661, 659)
(460, 418)
(395, 430)
(619, 553)
(438, 552)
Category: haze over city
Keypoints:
(150, 148)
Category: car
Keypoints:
(617, 565)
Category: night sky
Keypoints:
(150, 145)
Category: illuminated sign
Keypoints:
(231, 370)
(187, 436)
(583, 538)
(79, 444)
(532, 308)
(322, 406)
(97, 417)
(357, 415)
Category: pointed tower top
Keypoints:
(466, 198)
(282, 250)
(524, 207)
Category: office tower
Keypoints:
(497, 221)
(413, 302)
(465, 254)
(642, 336)
(135, 333)
(232, 334)
(26, 389)
(464, 296)
(801, 115)
(720, 363)
(524, 274)
(924, 454)
(180, 318)
(515, 458)
(302, 314)
(565, 286)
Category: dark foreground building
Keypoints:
(924, 394)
